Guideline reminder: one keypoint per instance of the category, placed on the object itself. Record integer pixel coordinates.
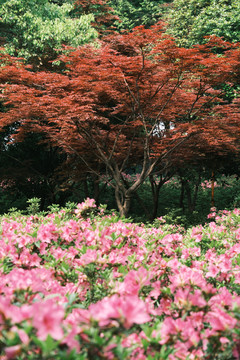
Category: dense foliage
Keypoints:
(80, 284)
(92, 106)
(133, 13)
(191, 21)
(34, 29)
(128, 104)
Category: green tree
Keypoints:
(137, 12)
(190, 21)
(34, 29)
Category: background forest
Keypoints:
(134, 103)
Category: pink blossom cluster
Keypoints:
(86, 205)
(109, 289)
(207, 184)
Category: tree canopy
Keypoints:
(190, 21)
(34, 29)
(133, 13)
(132, 101)
(119, 100)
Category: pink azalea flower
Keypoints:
(135, 311)
(220, 320)
(213, 270)
(12, 351)
(171, 327)
(181, 298)
(210, 254)
(71, 341)
(47, 319)
(129, 310)
(187, 276)
(190, 335)
(156, 285)
(18, 315)
(185, 254)
(225, 264)
(197, 319)
(131, 340)
(89, 257)
(47, 233)
(5, 309)
(222, 298)
(69, 231)
(78, 316)
(224, 340)
(24, 240)
(108, 354)
(42, 248)
(22, 335)
(87, 204)
(165, 306)
(29, 260)
(134, 281)
(237, 277)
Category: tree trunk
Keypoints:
(96, 189)
(212, 190)
(86, 190)
(123, 200)
(155, 195)
(142, 204)
(156, 190)
(192, 197)
(181, 200)
(196, 190)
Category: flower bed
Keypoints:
(76, 286)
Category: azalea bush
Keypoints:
(79, 283)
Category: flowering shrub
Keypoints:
(76, 287)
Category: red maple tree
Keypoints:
(134, 101)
